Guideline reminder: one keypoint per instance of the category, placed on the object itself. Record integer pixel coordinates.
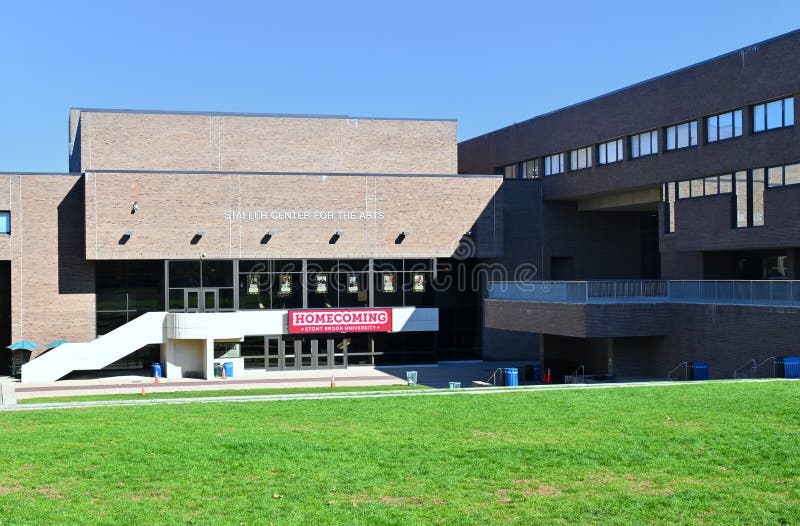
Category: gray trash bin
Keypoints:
(411, 377)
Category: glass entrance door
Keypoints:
(210, 300)
(191, 300)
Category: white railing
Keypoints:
(768, 292)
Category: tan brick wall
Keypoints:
(437, 211)
(52, 285)
(205, 142)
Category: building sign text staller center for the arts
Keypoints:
(303, 215)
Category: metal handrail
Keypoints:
(493, 377)
(685, 371)
(575, 375)
(751, 364)
(774, 363)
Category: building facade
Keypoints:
(273, 242)
(629, 235)
(673, 205)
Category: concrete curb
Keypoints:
(366, 394)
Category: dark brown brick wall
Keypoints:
(761, 72)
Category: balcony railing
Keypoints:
(774, 292)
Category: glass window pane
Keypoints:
(601, 152)
(725, 183)
(774, 114)
(711, 129)
(683, 190)
(184, 274)
(725, 126)
(619, 149)
(737, 123)
(758, 197)
(697, 187)
(635, 146)
(683, 135)
(792, 174)
(741, 199)
(217, 274)
(775, 176)
(693, 132)
(759, 116)
(712, 186)
(788, 112)
(653, 142)
(671, 138)
(588, 153)
(5, 222)
(547, 166)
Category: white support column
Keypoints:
(208, 368)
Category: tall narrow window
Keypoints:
(5, 222)
(758, 197)
(741, 199)
(669, 208)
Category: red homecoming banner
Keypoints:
(307, 321)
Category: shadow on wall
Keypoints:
(75, 274)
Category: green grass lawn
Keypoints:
(708, 453)
(218, 392)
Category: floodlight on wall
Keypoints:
(134, 207)
(125, 237)
(267, 237)
(197, 237)
(400, 238)
(335, 237)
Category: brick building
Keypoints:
(630, 234)
(663, 219)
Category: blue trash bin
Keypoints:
(791, 367)
(698, 371)
(228, 369)
(511, 376)
(156, 370)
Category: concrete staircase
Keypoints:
(147, 329)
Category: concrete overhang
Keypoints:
(580, 320)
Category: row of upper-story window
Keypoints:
(747, 187)
(719, 127)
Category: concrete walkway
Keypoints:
(113, 382)
(369, 394)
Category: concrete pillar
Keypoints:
(208, 362)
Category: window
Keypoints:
(530, 169)
(775, 114)
(783, 175)
(682, 135)
(669, 208)
(644, 144)
(5, 222)
(742, 197)
(610, 152)
(724, 126)
(510, 171)
(554, 164)
(580, 158)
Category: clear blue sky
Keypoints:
(487, 64)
